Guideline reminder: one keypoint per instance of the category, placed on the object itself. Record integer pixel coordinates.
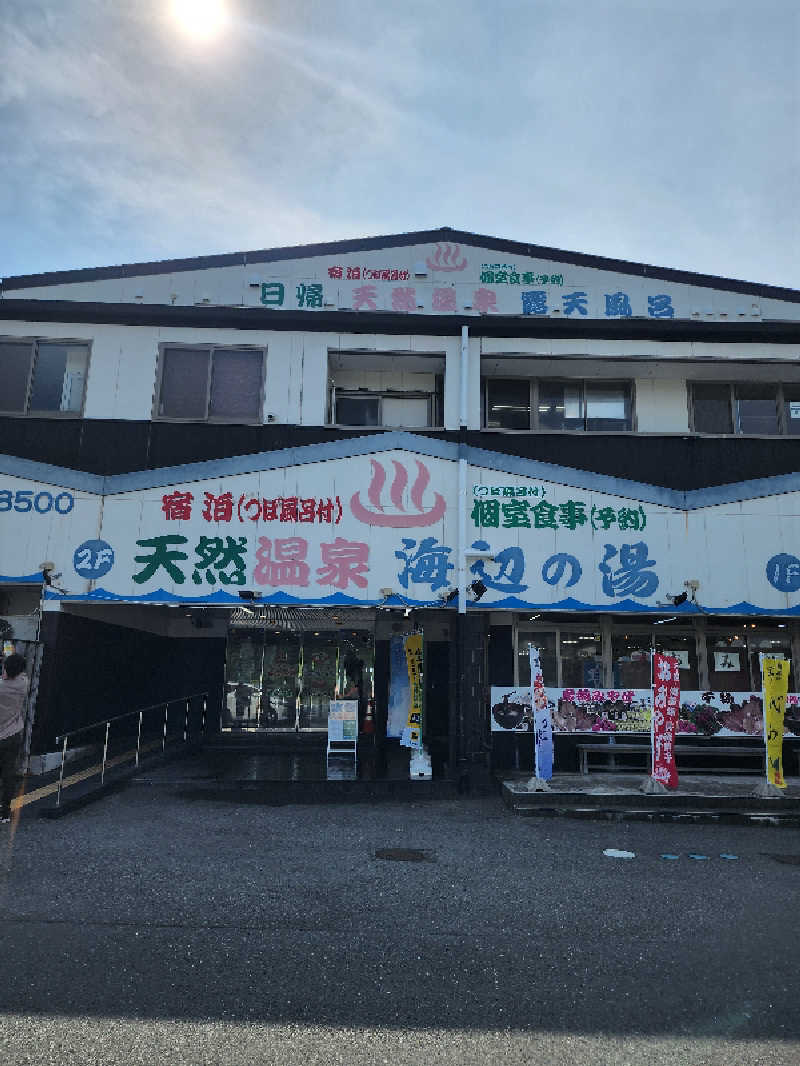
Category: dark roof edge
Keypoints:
(257, 318)
(394, 240)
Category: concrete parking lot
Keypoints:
(157, 927)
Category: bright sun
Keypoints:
(200, 19)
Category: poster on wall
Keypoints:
(625, 711)
(682, 658)
(585, 710)
(775, 673)
(664, 719)
(511, 710)
(542, 724)
(727, 661)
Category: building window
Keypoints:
(548, 404)
(508, 403)
(43, 377)
(631, 655)
(408, 410)
(733, 655)
(211, 383)
(750, 408)
(570, 656)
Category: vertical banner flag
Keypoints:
(399, 692)
(542, 725)
(664, 720)
(775, 682)
(412, 734)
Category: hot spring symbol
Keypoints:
(399, 519)
(447, 257)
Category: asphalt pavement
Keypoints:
(153, 927)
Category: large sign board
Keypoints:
(382, 528)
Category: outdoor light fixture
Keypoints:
(478, 588)
(248, 594)
(48, 572)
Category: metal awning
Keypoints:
(300, 619)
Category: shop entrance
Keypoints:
(284, 665)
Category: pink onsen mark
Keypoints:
(378, 517)
(447, 257)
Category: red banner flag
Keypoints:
(664, 722)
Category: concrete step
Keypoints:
(634, 806)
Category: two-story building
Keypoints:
(257, 473)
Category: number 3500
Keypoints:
(40, 502)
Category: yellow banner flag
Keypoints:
(775, 674)
(413, 648)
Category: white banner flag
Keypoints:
(542, 725)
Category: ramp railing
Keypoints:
(125, 738)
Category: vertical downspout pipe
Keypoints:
(462, 473)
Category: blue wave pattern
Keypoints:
(282, 599)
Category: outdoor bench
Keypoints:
(732, 751)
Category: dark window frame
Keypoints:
(380, 395)
(731, 386)
(533, 383)
(34, 342)
(210, 350)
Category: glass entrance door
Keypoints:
(285, 679)
(320, 655)
(280, 686)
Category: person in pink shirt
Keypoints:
(13, 694)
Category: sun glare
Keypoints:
(199, 19)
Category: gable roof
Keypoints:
(395, 240)
(373, 444)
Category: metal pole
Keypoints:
(164, 734)
(203, 716)
(61, 774)
(105, 754)
(186, 721)
(462, 474)
(139, 739)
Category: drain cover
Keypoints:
(404, 854)
(790, 860)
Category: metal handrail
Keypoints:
(64, 738)
(127, 714)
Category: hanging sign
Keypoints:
(542, 724)
(412, 734)
(664, 720)
(727, 662)
(775, 674)
(682, 657)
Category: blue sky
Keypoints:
(666, 133)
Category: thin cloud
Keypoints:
(660, 133)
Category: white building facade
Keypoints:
(245, 465)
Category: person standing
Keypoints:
(13, 693)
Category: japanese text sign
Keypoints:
(775, 674)
(542, 723)
(664, 720)
(412, 735)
